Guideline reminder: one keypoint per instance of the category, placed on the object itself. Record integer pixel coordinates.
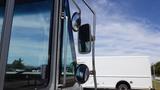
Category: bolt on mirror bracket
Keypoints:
(92, 72)
(93, 38)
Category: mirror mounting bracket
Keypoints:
(93, 38)
(92, 72)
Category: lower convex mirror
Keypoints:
(82, 73)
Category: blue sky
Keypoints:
(126, 27)
(146, 9)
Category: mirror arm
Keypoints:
(94, 16)
(77, 6)
(93, 44)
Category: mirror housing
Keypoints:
(82, 73)
(76, 21)
(84, 39)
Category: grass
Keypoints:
(156, 84)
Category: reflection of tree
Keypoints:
(70, 67)
(18, 64)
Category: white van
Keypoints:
(120, 72)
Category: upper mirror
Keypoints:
(76, 21)
(84, 39)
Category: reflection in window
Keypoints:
(27, 65)
(2, 7)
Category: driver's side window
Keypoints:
(67, 59)
(27, 64)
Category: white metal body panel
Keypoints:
(75, 87)
(112, 69)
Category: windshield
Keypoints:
(27, 66)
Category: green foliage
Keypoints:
(156, 67)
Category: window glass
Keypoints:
(67, 57)
(27, 65)
(2, 7)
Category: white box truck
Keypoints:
(120, 72)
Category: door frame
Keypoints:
(5, 38)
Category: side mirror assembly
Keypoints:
(82, 73)
(84, 39)
(76, 21)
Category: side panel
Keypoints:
(120, 65)
(112, 69)
(111, 82)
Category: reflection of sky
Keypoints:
(1, 19)
(126, 27)
(30, 34)
(27, 33)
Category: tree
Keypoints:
(18, 64)
(157, 68)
